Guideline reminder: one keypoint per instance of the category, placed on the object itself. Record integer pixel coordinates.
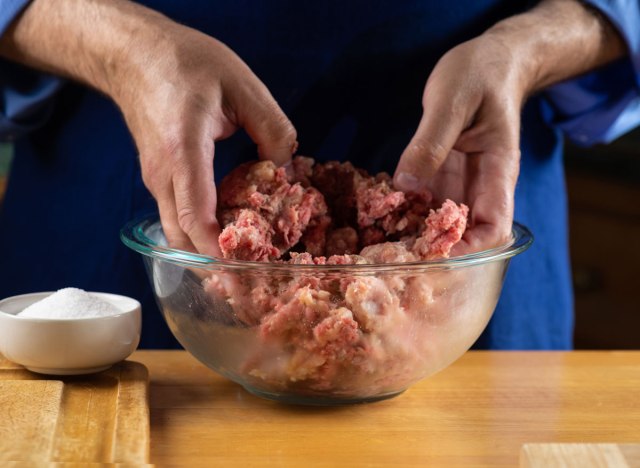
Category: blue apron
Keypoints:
(350, 75)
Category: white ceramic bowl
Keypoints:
(68, 346)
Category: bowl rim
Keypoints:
(133, 235)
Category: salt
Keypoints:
(70, 303)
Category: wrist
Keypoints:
(558, 40)
(89, 41)
(143, 40)
(128, 41)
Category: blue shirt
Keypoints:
(350, 75)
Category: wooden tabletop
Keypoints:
(479, 411)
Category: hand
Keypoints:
(179, 91)
(466, 146)
(191, 92)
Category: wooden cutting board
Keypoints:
(580, 455)
(97, 418)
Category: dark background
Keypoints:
(604, 205)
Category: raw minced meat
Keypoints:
(282, 210)
(327, 209)
(331, 331)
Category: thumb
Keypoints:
(268, 126)
(434, 139)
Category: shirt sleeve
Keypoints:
(26, 96)
(600, 106)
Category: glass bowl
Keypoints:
(323, 334)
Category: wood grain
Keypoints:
(580, 456)
(478, 412)
(98, 418)
(30, 411)
(132, 432)
(631, 453)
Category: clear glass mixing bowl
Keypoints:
(323, 334)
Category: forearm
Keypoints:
(85, 40)
(558, 40)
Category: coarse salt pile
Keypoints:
(70, 303)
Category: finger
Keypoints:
(494, 174)
(176, 238)
(439, 128)
(450, 181)
(491, 193)
(195, 195)
(267, 125)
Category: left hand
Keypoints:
(467, 145)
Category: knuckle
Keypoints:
(426, 154)
(153, 175)
(510, 161)
(277, 137)
(274, 121)
(174, 148)
(280, 128)
(187, 219)
(289, 133)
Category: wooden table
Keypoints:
(480, 411)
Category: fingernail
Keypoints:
(407, 182)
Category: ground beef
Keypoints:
(282, 211)
(327, 209)
(250, 238)
(444, 228)
(330, 331)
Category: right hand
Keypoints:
(182, 92)
(179, 91)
